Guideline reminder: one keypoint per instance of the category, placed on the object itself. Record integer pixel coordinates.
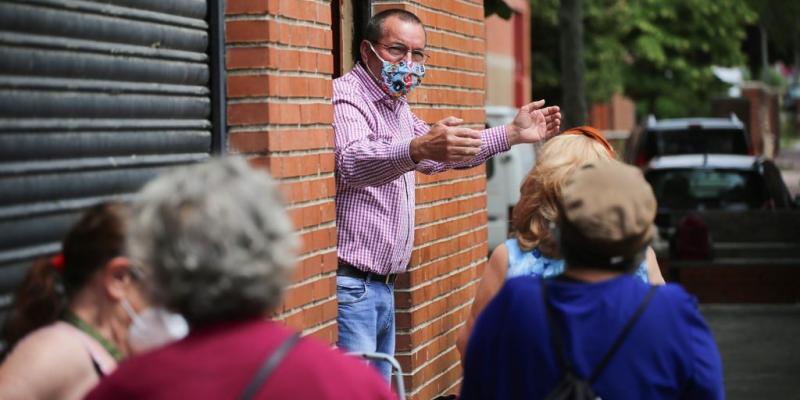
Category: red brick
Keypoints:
(315, 265)
(329, 334)
(450, 190)
(273, 31)
(450, 209)
(313, 315)
(437, 327)
(254, 142)
(289, 166)
(309, 190)
(279, 113)
(418, 275)
(462, 79)
(478, 171)
(450, 246)
(278, 86)
(237, 7)
(308, 292)
(450, 228)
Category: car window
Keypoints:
(708, 141)
(691, 189)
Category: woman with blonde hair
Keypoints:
(533, 249)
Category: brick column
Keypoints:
(434, 297)
(279, 109)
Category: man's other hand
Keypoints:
(446, 141)
(534, 123)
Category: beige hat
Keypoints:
(607, 213)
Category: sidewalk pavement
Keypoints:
(760, 348)
(788, 161)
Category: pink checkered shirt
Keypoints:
(375, 174)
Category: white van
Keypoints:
(504, 175)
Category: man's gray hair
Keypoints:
(216, 241)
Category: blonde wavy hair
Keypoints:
(556, 160)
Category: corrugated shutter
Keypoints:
(95, 99)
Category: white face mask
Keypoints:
(153, 327)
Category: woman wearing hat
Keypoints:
(532, 250)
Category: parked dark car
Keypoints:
(717, 181)
(689, 187)
(687, 136)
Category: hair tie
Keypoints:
(57, 261)
(594, 134)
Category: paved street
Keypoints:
(760, 346)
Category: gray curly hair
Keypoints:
(215, 240)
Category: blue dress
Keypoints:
(533, 263)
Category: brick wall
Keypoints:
(433, 299)
(280, 62)
(757, 282)
(763, 118)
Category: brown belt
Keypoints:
(345, 269)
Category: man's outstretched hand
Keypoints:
(446, 141)
(534, 123)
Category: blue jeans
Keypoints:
(366, 318)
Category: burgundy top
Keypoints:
(219, 362)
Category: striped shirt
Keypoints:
(375, 173)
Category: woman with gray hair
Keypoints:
(218, 247)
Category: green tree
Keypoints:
(674, 43)
(659, 52)
(573, 68)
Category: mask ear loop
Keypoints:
(595, 135)
(135, 319)
(375, 52)
(369, 71)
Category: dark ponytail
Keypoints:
(39, 300)
(47, 288)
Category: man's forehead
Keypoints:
(396, 30)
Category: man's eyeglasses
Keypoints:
(398, 51)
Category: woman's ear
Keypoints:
(117, 277)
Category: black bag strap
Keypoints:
(268, 366)
(555, 334)
(563, 361)
(622, 335)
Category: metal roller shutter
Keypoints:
(96, 98)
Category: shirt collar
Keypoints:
(374, 92)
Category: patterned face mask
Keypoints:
(400, 78)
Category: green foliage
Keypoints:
(659, 52)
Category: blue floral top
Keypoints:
(533, 263)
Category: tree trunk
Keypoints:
(764, 53)
(570, 23)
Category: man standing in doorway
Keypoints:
(380, 144)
